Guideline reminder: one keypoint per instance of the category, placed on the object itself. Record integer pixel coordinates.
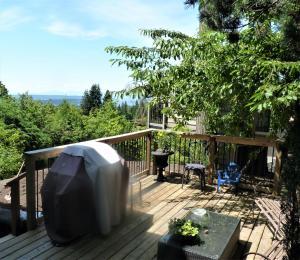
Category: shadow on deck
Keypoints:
(137, 236)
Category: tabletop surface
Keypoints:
(194, 166)
(220, 231)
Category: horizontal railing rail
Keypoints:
(136, 149)
(218, 150)
(38, 163)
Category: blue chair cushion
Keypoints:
(230, 176)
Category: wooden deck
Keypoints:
(137, 236)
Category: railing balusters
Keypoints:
(15, 206)
(148, 151)
(138, 146)
(30, 191)
(175, 151)
(37, 192)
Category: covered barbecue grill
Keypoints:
(85, 190)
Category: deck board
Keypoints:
(137, 236)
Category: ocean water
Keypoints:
(58, 99)
(76, 100)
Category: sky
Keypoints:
(57, 46)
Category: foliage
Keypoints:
(107, 97)
(215, 76)
(163, 140)
(106, 121)
(11, 145)
(92, 99)
(185, 229)
(65, 124)
(136, 112)
(10, 161)
(3, 90)
(32, 122)
(26, 124)
(291, 199)
(166, 140)
(278, 90)
(246, 59)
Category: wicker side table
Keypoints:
(220, 242)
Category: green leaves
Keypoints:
(26, 124)
(186, 231)
(230, 82)
(184, 227)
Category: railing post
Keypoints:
(278, 167)
(148, 116)
(148, 152)
(164, 119)
(211, 158)
(15, 206)
(30, 192)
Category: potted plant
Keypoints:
(163, 141)
(185, 231)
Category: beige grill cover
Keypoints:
(85, 190)
(110, 179)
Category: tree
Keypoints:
(213, 75)
(232, 15)
(33, 122)
(65, 125)
(11, 146)
(284, 16)
(230, 78)
(91, 99)
(107, 97)
(106, 121)
(3, 90)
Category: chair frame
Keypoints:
(271, 210)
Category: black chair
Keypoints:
(198, 169)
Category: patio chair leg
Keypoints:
(218, 187)
(236, 189)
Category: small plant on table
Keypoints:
(185, 231)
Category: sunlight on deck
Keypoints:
(137, 236)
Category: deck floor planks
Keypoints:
(78, 245)
(14, 248)
(6, 238)
(249, 232)
(216, 206)
(244, 213)
(154, 232)
(256, 236)
(151, 251)
(98, 244)
(266, 241)
(158, 214)
(163, 201)
(10, 246)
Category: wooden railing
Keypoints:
(216, 151)
(136, 149)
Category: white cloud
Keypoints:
(127, 16)
(73, 30)
(11, 17)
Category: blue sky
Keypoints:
(57, 46)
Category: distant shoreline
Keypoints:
(75, 100)
(56, 99)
